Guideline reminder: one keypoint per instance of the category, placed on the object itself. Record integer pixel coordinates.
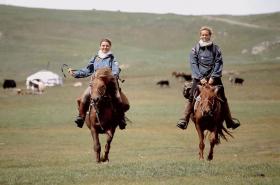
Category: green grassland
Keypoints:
(39, 143)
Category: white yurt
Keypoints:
(47, 77)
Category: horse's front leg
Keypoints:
(213, 141)
(201, 140)
(110, 135)
(96, 144)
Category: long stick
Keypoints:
(62, 66)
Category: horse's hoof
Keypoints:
(103, 159)
(209, 158)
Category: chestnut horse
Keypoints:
(101, 116)
(208, 116)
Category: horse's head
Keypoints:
(102, 84)
(208, 99)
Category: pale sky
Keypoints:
(184, 7)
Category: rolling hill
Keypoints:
(34, 39)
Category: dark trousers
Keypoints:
(84, 100)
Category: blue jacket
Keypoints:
(206, 62)
(97, 63)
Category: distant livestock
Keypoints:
(9, 84)
(236, 81)
(187, 77)
(19, 92)
(182, 75)
(36, 86)
(162, 83)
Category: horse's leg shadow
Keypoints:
(110, 135)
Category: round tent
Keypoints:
(47, 77)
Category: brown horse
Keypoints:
(102, 114)
(208, 116)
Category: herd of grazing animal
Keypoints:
(182, 75)
(38, 87)
(188, 78)
(178, 75)
(34, 87)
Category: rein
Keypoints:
(211, 102)
(93, 104)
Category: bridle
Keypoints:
(95, 102)
(212, 102)
(205, 102)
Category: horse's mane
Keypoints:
(207, 87)
(104, 73)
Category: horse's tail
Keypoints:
(223, 133)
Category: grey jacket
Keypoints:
(206, 62)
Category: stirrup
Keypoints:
(79, 121)
(122, 125)
(235, 123)
(182, 124)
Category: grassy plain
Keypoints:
(39, 143)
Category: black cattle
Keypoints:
(187, 77)
(162, 83)
(9, 84)
(182, 75)
(237, 81)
